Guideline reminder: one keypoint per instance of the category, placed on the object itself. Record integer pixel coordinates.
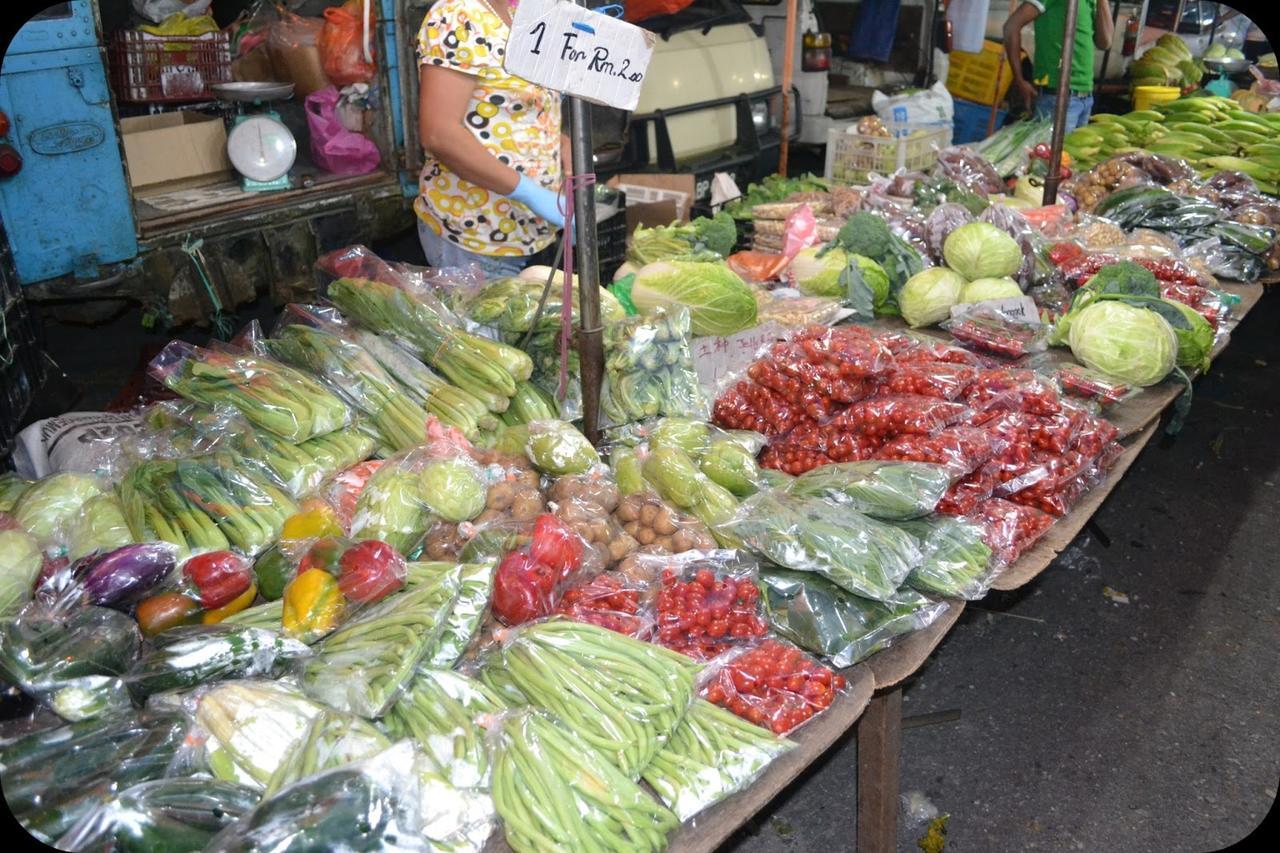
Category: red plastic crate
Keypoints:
(147, 69)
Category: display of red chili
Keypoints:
(706, 615)
(774, 685)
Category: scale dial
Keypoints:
(261, 148)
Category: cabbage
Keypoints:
(1195, 337)
(11, 488)
(981, 250)
(818, 276)
(47, 508)
(453, 489)
(20, 562)
(719, 302)
(99, 526)
(1132, 344)
(982, 289)
(928, 295)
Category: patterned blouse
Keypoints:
(517, 121)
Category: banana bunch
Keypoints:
(1167, 63)
(1211, 133)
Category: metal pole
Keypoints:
(788, 73)
(1060, 105)
(1106, 57)
(587, 262)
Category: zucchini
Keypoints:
(1255, 239)
(191, 655)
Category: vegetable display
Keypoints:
(719, 302)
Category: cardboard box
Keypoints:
(655, 199)
(178, 148)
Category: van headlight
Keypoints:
(760, 114)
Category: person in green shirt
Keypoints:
(1094, 28)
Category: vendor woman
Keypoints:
(489, 190)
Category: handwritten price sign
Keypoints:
(715, 358)
(560, 45)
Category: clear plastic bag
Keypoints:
(441, 711)
(772, 684)
(857, 553)
(611, 600)
(625, 696)
(99, 525)
(885, 490)
(941, 379)
(711, 755)
(968, 492)
(397, 799)
(970, 169)
(900, 414)
(553, 791)
(1010, 529)
(1081, 381)
(707, 601)
(649, 369)
(985, 328)
(836, 625)
(1005, 389)
(475, 586)
(364, 665)
(957, 562)
(653, 523)
(557, 448)
(188, 656)
(48, 506)
(751, 406)
(529, 581)
(958, 449)
(944, 219)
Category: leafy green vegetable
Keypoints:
(719, 302)
(816, 272)
(20, 562)
(453, 489)
(880, 489)
(1124, 277)
(1132, 344)
(100, 526)
(927, 296)
(865, 233)
(46, 509)
(717, 235)
(981, 250)
(956, 559)
(772, 189)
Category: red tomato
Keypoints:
(556, 546)
(370, 571)
(218, 577)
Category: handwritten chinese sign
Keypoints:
(715, 357)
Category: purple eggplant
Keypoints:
(124, 575)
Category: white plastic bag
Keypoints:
(904, 114)
(156, 11)
(85, 442)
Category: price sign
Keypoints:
(1020, 308)
(560, 45)
(715, 357)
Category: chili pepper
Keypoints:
(166, 610)
(370, 571)
(218, 577)
(212, 617)
(318, 521)
(555, 546)
(313, 605)
(273, 570)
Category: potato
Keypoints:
(649, 514)
(683, 540)
(664, 542)
(575, 512)
(583, 530)
(529, 478)
(620, 547)
(628, 510)
(500, 495)
(631, 528)
(645, 536)
(487, 516)
(527, 506)
(663, 523)
(600, 531)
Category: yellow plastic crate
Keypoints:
(973, 76)
(850, 156)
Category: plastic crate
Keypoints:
(971, 120)
(982, 78)
(147, 69)
(611, 241)
(851, 156)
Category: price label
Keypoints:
(1019, 308)
(716, 357)
(560, 45)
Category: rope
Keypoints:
(222, 325)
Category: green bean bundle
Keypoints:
(475, 581)
(711, 755)
(555, 793)
(332, 739)
(439, 711)
(620, 696)
(364, 665)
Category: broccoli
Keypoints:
(719, 233)
(1124, 277)
(866, 234)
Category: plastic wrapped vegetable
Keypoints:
(649, 369)
(957, 562)
(552, 791)
(252, 727)
(711, 755)
(55, 777)
(557, 448)
(99, 526)
(47, 508)
(332, 739)
(397, 799)
(623, 696)
(20, 563)
(732, 466)
(838, 626)
(859, 554)
(269, 394)
(72, 659)
(363, 666)
(12, 488)
(707, 603)
(773, 684)
(185, 657)
(178, 814)
(475, 585)
(885, 490)
(391, 507)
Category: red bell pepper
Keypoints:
(370, 571)
(522, 589)
(555, 546)
(325, 554)
(218, 577)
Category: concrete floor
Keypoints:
(1090, 724)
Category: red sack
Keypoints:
(639, 10)
(342, 44)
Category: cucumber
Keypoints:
(191, 655)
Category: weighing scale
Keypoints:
(1221, 85)
(261, 148)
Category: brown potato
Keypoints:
(664, 542)
(620, 547)
(631, 528)
(500, 495)
(527, 506)
(487, 516)
(600, 531)
(529, 478)
(663, 523)
(628, 511)
(683, 540)
(648, 514)
(645, 536)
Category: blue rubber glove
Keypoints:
(542, 201)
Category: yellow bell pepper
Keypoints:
(312, 523)
(232, 607)
(313, 605)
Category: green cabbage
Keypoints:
(47, 508)
(453, 489)
(981, 250)
(818, 276)
(100, 526)
(982, 289)
(928, 295)
(20, 562)
(11, 488)
(719, 302)
(1132, 344)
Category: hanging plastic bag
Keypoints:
(342, 44)
(334, 148)
(157, 11)
(640, 10)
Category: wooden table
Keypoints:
(874, 700)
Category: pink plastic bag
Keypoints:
(334, 148)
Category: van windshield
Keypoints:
(698, 15)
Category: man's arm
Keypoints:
(1023, 15)
(1103, 27)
